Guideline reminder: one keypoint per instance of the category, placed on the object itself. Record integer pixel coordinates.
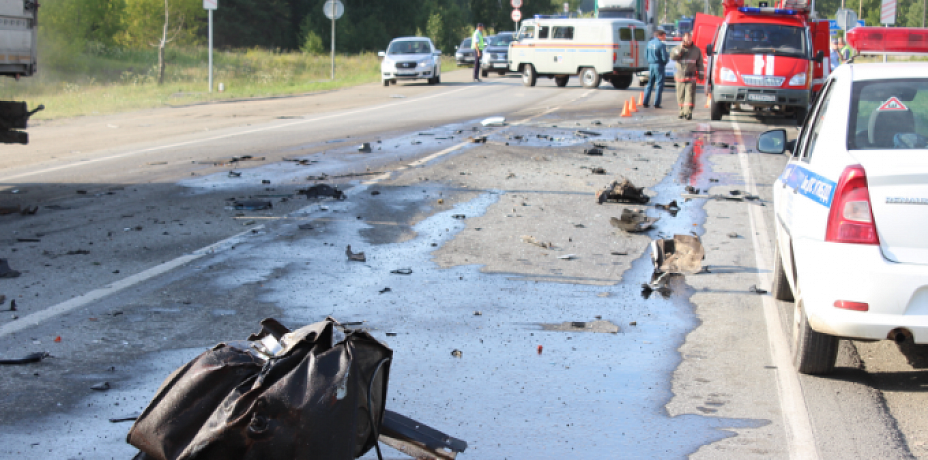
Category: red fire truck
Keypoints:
(771, 59)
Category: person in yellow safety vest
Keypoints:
(478, 44)
(688, 72)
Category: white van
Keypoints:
(593, 49)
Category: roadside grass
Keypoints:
(112, 81)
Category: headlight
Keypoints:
(387, 64)
(424, 64)
(798, 80)
(727, 75)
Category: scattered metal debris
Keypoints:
(568, 257)
(622, 192)
(542, 244)
(417, 439)
(682, 254)
(365, 147)
(26, 211)
(77, 252)
(385, 290)
(6, 271)
(599, 326)
(253, 205)
(756, 289)
(126, 418)
(306, 227)
(28, 359)
(598, 170)
(235, 174)
(673, 208)
(584, 133)
(659, 284)
(595, 151)
(457, 353)
(459, 216)
(402, 271)
(355, 256)
(494, 122)
(633, 221)
(479, 139)
(102, 386)
(322, 190)
(733, 235)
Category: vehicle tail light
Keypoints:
(848, 305)
(851, 217)
(615, 56)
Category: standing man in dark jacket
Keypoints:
(688, 72)
(657, 64)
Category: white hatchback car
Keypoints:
(851, 213)
(410, 58)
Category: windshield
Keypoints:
(465, 43)
(410, 47)
(499, 40)
(889, 115)
(766, 39)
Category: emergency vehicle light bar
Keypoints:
(767, 10)
(889, 40)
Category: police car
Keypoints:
(852, 209)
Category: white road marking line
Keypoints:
(448, 150)
(225, 136)
(799, 434)
(38, 317)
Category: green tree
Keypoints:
(82, 21)
(144, 22)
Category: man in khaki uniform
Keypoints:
(688, 72)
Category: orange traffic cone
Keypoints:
(632, 106)
(641, 99)
(708, 101)
(625, 112)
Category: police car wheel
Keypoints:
(780, 288)
(814, 353)
(386, 83)
(800, 116)
(529, 77)
(590, 78)
(484, 73)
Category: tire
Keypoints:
(386, 83)
(621, 81)
(438, 79)
(780, 288)
(484, 73)
(529, 77)
(800, 116)
(432, 81)
(589, 78)
(716, 110)
(642, 81)
(561, 80)
(814, 353)
(501, 73)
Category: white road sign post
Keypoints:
(333, 9)
(888, 12)
(210, 6)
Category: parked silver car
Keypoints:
(410, 58)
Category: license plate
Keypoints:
(405, 74)
(501, 65)
(762, 97)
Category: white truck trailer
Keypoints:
(18, 58)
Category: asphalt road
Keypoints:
(138, 260)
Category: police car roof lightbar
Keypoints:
(905, 41)
(550, 16)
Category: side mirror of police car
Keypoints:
(820, 56)
(437, 53)
(774, 141)
(709, 49)
(381, 54)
